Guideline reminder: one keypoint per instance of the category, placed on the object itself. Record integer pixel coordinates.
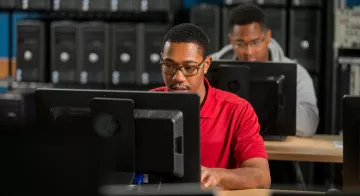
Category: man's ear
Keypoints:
(207, 64)
(229, 38)
(268, 35)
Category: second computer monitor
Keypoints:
(270, 87)
(86, 137)
(351, 142)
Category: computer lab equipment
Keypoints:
(208, 18)
(6, 4)
(31, 54)
(305, 33)
(270, 87)
(83, 139)
(16, 109)
(69, 5)
(125, 62)
(152, 35)
(351, 144)
(94, 53)
(33, 4)
(64, 52)
(159, 5)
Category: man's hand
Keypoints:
(211, 177)
(253, 173)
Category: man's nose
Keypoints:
(249, 50)
(178, 77)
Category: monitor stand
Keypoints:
(274, 137)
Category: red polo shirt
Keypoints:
(229, 130)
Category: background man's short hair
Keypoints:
(245, 14)
(188, 33)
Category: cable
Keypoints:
(160, 183)
(132, 179)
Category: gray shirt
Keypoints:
(307, 112)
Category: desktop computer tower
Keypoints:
(152, 36)
(68, 5)
(124, 5)
(94, 44)
(16, 108)
(305, 37)
(276, 21)
(159, 5)
(208, 18)
(33, 4)
(125, 61)
(98, 5)
(31, 52)
(64, 52)
(7, 4)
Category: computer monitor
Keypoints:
(351, 142)
(294, 193)
(183, 189)
(270, 88)
(86, 137)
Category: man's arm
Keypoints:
(254, 173)
(307, 113)
(248, 150)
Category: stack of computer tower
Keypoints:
(305, 40)
(115, 5)
(89, 53)
(305, 35)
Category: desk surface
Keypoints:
(319, 148)
(256, 192)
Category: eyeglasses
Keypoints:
(185, 70)
(253, 43)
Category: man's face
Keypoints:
(250, 42)
(189, 58)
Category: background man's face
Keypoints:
(250, 42)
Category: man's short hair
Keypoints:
(246, 14)
(188, 33)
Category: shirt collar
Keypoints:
(207, 108)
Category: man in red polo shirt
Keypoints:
(233, 154)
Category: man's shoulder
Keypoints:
(225, 53)
(300, 70)
(159, 89)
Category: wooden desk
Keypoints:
(256, 192)
(319, 148)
